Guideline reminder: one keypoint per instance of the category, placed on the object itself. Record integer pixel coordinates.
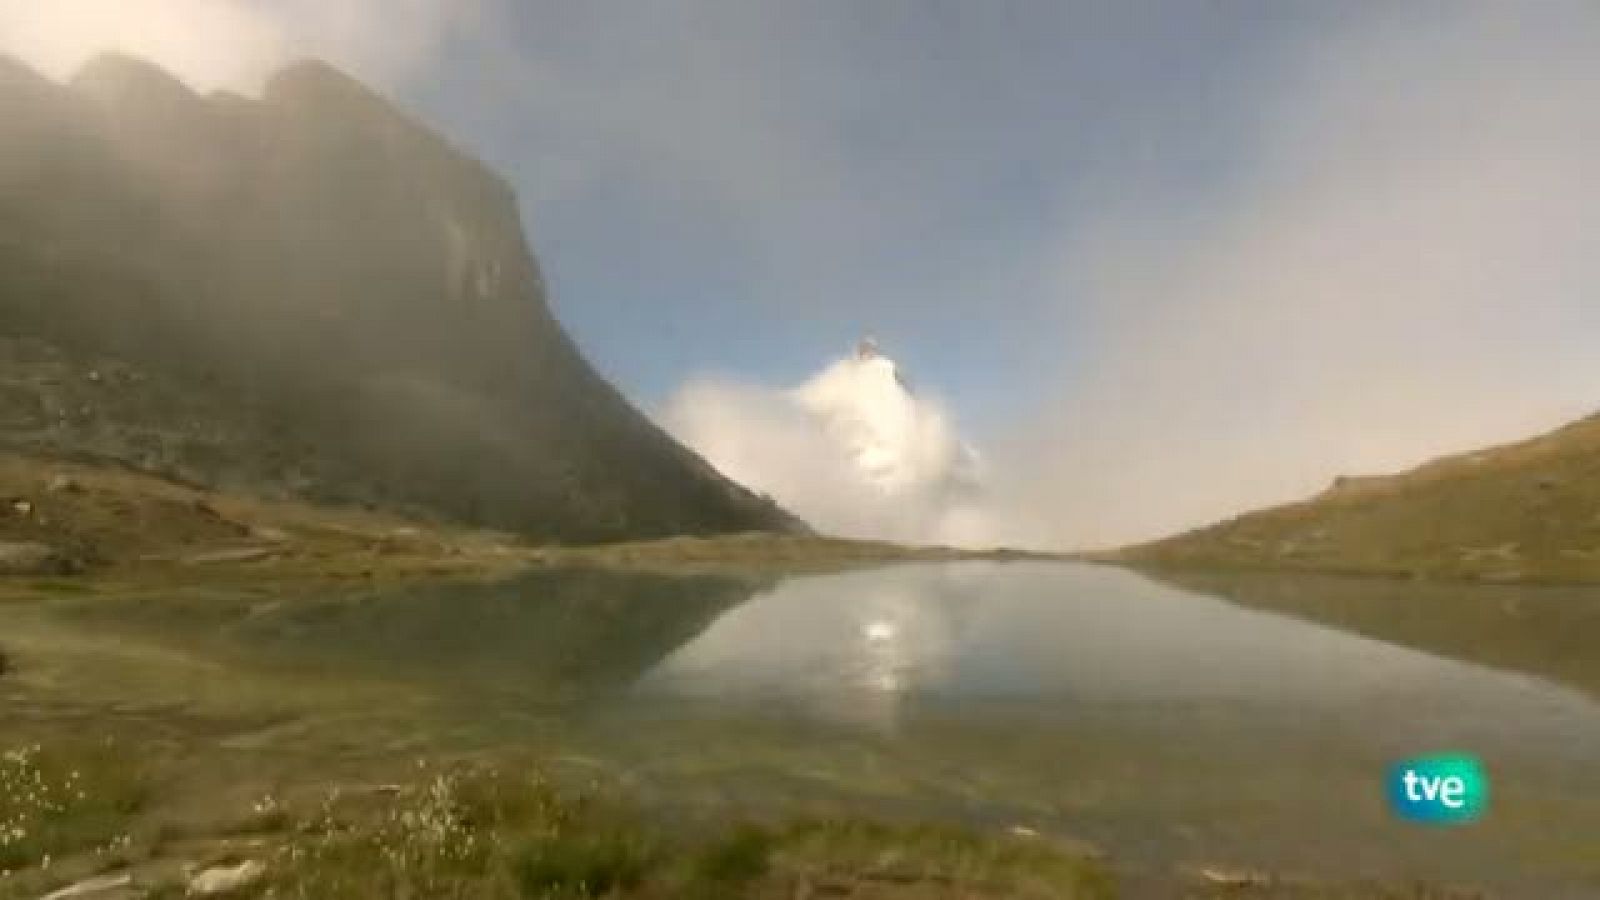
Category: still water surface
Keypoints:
(1243, 722)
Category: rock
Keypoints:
(1234, 878)
(270, 534)
(22, 506)
(92, 887)
(28, 558)
(63, 484)
(225, 880)
(231, 555)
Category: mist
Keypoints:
(1405, 268)
(852, 450)
(1408, 270)
(1374, 242)
(235, 44)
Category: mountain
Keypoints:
(1528, 511)
(853, 450)
(307, 293)
(897, 442)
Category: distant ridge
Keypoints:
(1528, 511)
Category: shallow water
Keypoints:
(1219, 723)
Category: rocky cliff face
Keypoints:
(306, 293)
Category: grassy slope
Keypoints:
(124, 524)
(1522, 512)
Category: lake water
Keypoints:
(1241, 723)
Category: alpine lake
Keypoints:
(1184, 727)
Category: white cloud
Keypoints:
(233, 43)
(851, 451)
(1403, 261)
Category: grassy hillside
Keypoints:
(1528, 511)
(88, 521)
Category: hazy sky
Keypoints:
(1163, 259)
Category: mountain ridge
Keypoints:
(340, 300)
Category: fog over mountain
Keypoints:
(1166, 261)
(854, 450)
(306, 293)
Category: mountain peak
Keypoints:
(119, 76)
(899, 442)
(13, 71)
(317, 82)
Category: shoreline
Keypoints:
(70, 522)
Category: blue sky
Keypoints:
(749, 191)
(1165, 259)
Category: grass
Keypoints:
(580, 866)
(56, 802)
(466, 832)
(739, 858)
(487, 833)
(129, 528)
(479, 832)
(1521, 513)
(935, 860)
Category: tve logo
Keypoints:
(1439, 790)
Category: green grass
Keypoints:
(955, 861)
(54, 802)
(475, 831)
(479, 832)
(583, 865)
(62, 586)
(742, 856)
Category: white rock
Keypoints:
(226, 880)
(91, 887)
